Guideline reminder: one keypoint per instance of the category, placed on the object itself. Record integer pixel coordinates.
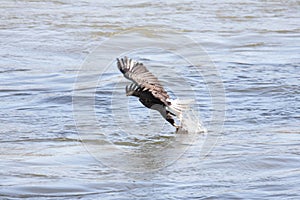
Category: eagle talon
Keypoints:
(177, 128)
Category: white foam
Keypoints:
(191, 123)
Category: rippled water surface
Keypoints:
(52, 146)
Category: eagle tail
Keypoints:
(177, 107)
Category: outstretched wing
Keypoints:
(140, 75)
(133, 90)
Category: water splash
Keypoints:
(190, 122)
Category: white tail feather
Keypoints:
(177, 107)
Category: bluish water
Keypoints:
(254, 45)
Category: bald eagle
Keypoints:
(149, 90)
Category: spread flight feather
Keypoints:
(149, 90)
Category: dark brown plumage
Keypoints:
(147, 88)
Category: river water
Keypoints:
(52, 146)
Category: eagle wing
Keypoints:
(140, 75)
(133, 90)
